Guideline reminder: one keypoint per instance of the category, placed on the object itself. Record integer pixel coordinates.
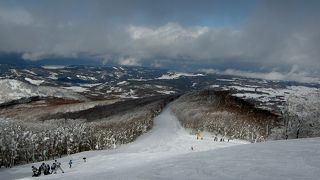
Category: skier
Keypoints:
(54, 168)
(42, 168)
(191, 148)
(70, 163)
(58, 166)
(198, 134)
(46, 169)
(84, 159)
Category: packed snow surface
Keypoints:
(165, 153)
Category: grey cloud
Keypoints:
(277, 35)
(292, 75)
(285, 32)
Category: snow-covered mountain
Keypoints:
(169, 151)
(48, 112)
(99, 82)
(15, 90)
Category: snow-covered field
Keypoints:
(270, 96)
(165, 153)
(177, 75)
(13, 90)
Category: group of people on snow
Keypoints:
(221, 139)
(199, 135)
(46, 169)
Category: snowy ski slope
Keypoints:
(165, 153)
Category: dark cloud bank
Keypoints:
(278, 39)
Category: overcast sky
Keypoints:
(259, 36)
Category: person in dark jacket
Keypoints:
(35, 172)
(46, 169)
(42, 168)
(70, 163)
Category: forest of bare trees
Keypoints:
(222, 114)
(23, 142)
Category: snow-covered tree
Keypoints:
(23, 142)
(301, 114)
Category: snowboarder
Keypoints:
(191, 148)
(58, 166)
(84, 159)
(70, 163)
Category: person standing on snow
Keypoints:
(54, 168)
(70, 163)
(46, 169)
(58, 166)
(42, 168)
